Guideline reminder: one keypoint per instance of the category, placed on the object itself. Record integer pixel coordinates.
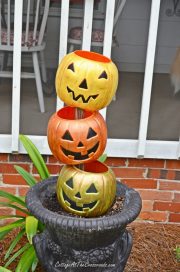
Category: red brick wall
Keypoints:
(157, 181)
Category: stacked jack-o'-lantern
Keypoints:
(77, 133)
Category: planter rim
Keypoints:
(131, 208)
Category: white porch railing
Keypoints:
(140, 147)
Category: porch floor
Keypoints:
(123, 115)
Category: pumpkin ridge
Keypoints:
(103, 130)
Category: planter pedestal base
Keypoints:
(75, 244)
(56, 258)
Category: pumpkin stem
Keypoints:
(79, 114)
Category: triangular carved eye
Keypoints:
(103, 75)
(70, 183)
(67, 136)
(91, 133)
(71, 67)
(91, 189)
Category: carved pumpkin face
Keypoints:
(88, 192)
(76, 141)
(86, 80)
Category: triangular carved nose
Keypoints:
(83, 84)
(80, 144)
(78, 195)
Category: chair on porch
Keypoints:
(35, 14)
(97, 38)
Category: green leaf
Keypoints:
(31, 227)
(26, 261)
(3, 234)
(18, 223)
(35, 156)
(5, 204)
(10, 216)
(34, 264)
(102, 158)
(12, 198)
(30, 180)
(2, 269)
(14, 243)
(177, 252)
(19, 252)
(40, 226)
(22, 198)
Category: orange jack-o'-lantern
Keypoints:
(86, 80)
(76, 141)
(89, 192)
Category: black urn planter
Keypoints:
(82, 244)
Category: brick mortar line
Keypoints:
(140, 221)
(169, 180)
(145, 173)
(174, 197)
(54, 163)
(128, 178)
(15, 186)
(8, 185)
(172, 169)
(112, 166)
(165, 163)
(168, 216)
(127, 163)
(154, 190)
(172, 191)
(31, 168)
(145, 167)
(15, 162)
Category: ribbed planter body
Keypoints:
(82, 244)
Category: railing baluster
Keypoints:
(110, 6)
(87, 27)
(27, 21)
(8, 22)
(0, 20)
(108, 27)
(16, 73)
(151, 48)
(63, 37)
(178, 150)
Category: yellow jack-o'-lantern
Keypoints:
(86, 80)
(89, 192)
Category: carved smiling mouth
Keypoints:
(81, 96)
(77, 155)
(72, 204)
